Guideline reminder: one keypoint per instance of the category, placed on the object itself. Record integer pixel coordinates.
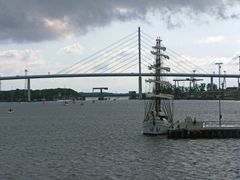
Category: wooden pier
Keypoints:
(205, 133)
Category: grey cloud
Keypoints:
(39, 20)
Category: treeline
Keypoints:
(202, 91)
(197, 91)
(20, 95)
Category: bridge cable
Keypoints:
(115, 68)
(129, 35)
(99, 56)
(187, 61)
(111, 58)
(129, 67)
(114, 64)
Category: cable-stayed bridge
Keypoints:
(128, 57)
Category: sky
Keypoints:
(49, 35)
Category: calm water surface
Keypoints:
(103, 140)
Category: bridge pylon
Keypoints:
(28, 90)
(140, 62)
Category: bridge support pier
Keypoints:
(140, 86)
(211, 83)
(28, 90)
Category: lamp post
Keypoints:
(25, 86)
(219, 101)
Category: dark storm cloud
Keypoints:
(38, 20)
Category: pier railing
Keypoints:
(211, 124)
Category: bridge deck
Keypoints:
(115, 75)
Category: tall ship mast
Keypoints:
(158, 117)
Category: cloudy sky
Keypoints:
(48, 35)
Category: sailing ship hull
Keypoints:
(159, 127)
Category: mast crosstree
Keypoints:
(158, 111)
(158, 49)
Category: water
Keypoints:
(103, 140)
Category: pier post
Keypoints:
(29, 89)
(139, 64)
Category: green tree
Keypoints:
(209, 87)
(202, 87)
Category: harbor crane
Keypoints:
(191, 81)
(100, 97)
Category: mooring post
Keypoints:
(139, 64)
(29, 89)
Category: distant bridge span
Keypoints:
(115, 75)
(118, 57)
(48, 76)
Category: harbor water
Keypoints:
(103, 140)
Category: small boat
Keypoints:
(66, 103)
(158, 119)
(10, 110)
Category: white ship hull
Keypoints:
(160, 127)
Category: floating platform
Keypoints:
(205, 133)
